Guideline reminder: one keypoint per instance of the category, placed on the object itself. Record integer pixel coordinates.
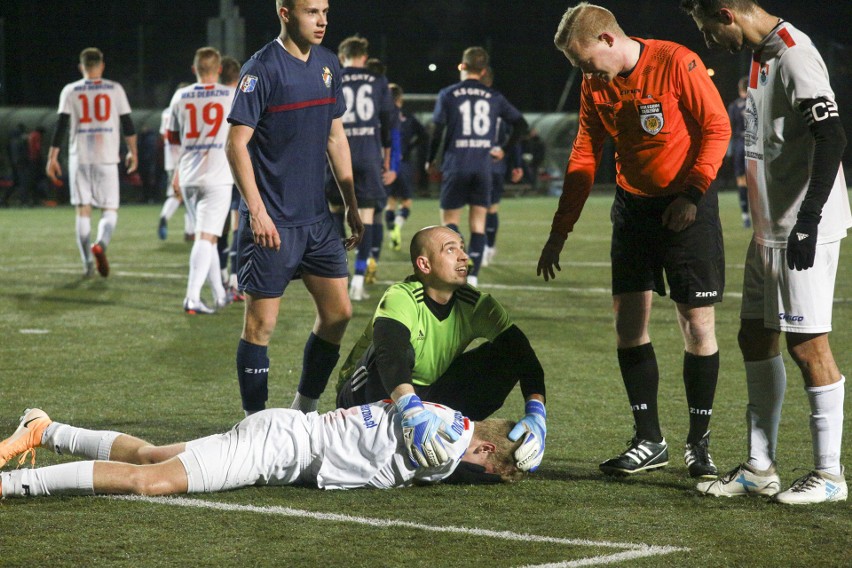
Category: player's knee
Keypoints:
(148, 480)
(147, 455)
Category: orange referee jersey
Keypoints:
(668, 122)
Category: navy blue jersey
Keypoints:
(469, 110)
(290, 103)
(369, 107)
(412, 134)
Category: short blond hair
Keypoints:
(91, 57)
(496, 431)
(207, 60)
(583, 23)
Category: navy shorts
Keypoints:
(368, 182)
(738, 156)
(313, 249)
(498, 182)
(642, 249)
(403, 186)
(466, 188)
(235, 198)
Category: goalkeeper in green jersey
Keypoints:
(414, 348)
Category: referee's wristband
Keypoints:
(693, 194)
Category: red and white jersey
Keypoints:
(171, 152)
(95, 107)
(363, 447)
(199, 126)
(786, 70)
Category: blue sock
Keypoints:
(253, 375)
(378, 237)
(453, 226)
(477, 245)
(492, 223)
(318, 362)
(390, 219)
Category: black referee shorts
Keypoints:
(642, 250)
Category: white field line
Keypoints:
(631, 551)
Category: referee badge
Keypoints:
(326, 77)
(651, 118)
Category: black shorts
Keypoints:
(642, 249)
(403, 187)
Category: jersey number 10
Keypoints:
(101, 108)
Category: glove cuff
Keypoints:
(535, 407)
(408, 402)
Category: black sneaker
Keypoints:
(698, 460)
(641, 455)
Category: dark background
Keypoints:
(149, 44)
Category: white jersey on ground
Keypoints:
(95, 107)
(171, 152)
(199, 117)
(786, 70)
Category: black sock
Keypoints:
(641, 379)
(378, 237)
(700, 374)
(318, 362)
(253, 375)
(492, 223)
(390, 219)
(474, 251)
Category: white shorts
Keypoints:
(209, 206)
(798, 301)
(271, 447)
(93, 184)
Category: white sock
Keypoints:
(169, 208)
(199, 267)
(304, 404)
(106, 226)
(70, 440)
(766, 382)
(84, 232)
(357, 281)
(399, 221)
(214, 275)
(827, 425)
(75, 478)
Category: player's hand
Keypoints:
(533, 428)
(680, 214)
(356, 228)
(388, 177)
(497, 153)
(801, 245)
(131, 161)
(550, 257)
(176, 187)
(516, 175)
(431, 169)
(54, 171)
(264, 232)
(423, 432)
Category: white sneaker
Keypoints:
(743, 480)
(473, 281)
(358, 293)
(199, 307)
(815, 487)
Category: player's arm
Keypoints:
(434, 146)
(340, 160)
(129, 132)
(52, 168)
(823, 119)
(173, 137)
(236, 148)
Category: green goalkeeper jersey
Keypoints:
(436, 342)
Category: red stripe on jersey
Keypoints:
(204, 87)
(173, 137)
(303, 104)
(785, 35)
(466, 423)
(755, 71)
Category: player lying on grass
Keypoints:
(363, 446)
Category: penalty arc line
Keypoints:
(632, 551)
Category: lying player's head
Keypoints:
(353, 47)
(492, 449)
(589, 36)
(91, 57)
(719, 21)
(439, 258)
(207, 61)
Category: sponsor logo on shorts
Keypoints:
(642, 406)
(253, 371)
(790, 318)
(701, 411)
(707, 294)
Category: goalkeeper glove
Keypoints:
(801, 245)
(533, 427)
(422, 431)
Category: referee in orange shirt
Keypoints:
(671, 131)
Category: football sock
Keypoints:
(169, 208)
(766, 382)
(378, 237)
(222, 249)
(700, 375)
(492, 223)
(477, 245)
(70, 440)
(827, 425)
(403, 214)
(390, 217)
(253, 375)
(106, 226)
(304, 403)
(75, 478)
(84, 232)
(214, 275)
(318, 361)
(364, 250)
(641, 378)
(199, 267)
(743, 195)
(453, 226)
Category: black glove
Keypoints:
(801, 245)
